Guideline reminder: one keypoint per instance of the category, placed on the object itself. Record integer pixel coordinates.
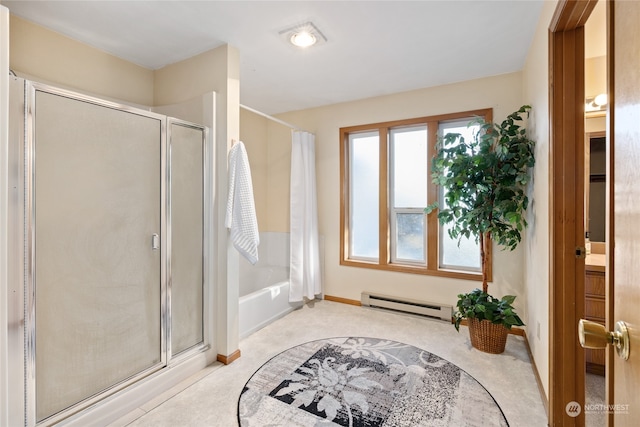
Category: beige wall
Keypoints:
(253, 133)
(502, 93)
(279, 159)
(208, 71)
(595, 74)
(268, 146)
(49, 57)
(536, 247)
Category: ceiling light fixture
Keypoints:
(304, 35)
(303, 39)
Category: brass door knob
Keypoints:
(595, 335)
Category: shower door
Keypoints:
(186, 213)
(97, 272)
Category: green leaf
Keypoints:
(433, 206)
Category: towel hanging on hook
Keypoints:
(241, 212)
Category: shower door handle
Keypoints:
(155, 241)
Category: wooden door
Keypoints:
(625, 131)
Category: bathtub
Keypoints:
(264, 288)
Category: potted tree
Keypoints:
(484, 182)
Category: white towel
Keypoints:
(241, 210)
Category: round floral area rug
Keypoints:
(364, 382)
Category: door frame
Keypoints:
(566, 123)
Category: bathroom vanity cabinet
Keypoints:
(594, 310)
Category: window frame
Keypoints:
(386, 259)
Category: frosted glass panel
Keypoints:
(409, 154)
(97, 278)
(187, 156)
(454, 253)
(410, 238)
(465, 255)
(364, 177)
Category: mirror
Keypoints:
(597, 186)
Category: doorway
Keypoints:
(595, 295)
(568, 252)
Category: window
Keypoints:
(386, 184)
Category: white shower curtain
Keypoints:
(305, 277)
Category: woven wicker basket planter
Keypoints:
(487, 337)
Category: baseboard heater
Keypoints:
(404, 305)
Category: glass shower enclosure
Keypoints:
(109, 225)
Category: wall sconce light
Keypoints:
(596, 104)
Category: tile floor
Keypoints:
(210, 398)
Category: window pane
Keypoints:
(459, 126)
(451, 256)
(409, 162)
(465, 255)
(364, 157)
(410, 238)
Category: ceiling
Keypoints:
(373, 48)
